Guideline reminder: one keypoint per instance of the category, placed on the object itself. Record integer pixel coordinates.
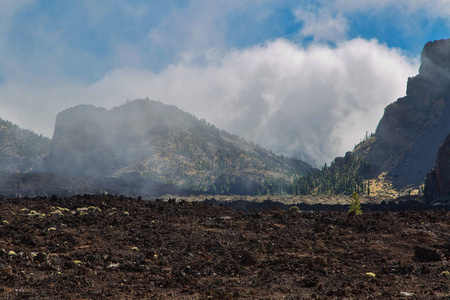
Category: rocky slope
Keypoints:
(20, 150)
(412, 129)
(157, 141)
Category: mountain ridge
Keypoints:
(161, 142)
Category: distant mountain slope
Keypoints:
(160, 142)
(20, 150)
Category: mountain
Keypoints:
(152, 140)
(21, 150)
(408, 136)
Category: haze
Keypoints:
(303, 78)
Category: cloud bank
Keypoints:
(303, 78)
(312, 102)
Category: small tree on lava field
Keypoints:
(355, 206)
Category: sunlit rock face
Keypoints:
(412, 129)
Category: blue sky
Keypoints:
(304, 78)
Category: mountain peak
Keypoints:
(435, 59)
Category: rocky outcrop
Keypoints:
(437, 183)
(411, 130)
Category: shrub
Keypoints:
(355, 206)
(294, 209)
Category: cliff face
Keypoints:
(411, 130)
(161, 142)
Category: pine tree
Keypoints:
(355, 206)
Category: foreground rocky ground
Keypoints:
(106, 247)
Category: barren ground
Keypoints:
(107, 247)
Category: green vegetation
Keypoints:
(355, 206)
(294, 209)
(20, 150)
(344, 176)
(202, 157)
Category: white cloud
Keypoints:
(322, 25)
(432, 8)
(200, 25)
(313, 103)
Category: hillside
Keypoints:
(161, 142)
(20, 150)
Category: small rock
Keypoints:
(248, 260)
(406, 294)
(113, 266)
(40, 257)
(425, 254)
(56, 213)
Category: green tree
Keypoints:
(355, 206)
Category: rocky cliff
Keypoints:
(411, 130)
(157, 141)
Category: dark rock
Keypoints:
(431, 190)
(443, 167)
(425, 254)
(40, 257)
(437, 183)
(248, 260)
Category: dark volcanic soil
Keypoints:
(100, 247)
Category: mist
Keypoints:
(313, 103)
